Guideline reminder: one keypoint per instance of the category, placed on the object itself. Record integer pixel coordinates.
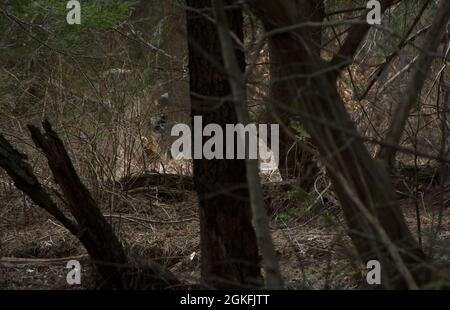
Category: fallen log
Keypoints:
(152, 179)
(182, 182)
(14, 261)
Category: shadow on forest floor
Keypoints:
(314, 251)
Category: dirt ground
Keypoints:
(314, 251)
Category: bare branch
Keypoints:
(401, 114)
(354, 38)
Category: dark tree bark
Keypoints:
(90, 226)
(295, 161)
(97, 234)
(228, 243)
(376, 225)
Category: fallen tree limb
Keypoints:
(14, 261)
(157, 179)
(174, 182)
(160, 192)
(141, 219)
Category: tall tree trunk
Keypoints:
(294, 160)
(229, 250)
(236, 77)
(376, 225)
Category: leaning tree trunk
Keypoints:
(96, 233)
(376, 225)
(229, 250)
(90, 226)
(295, 161)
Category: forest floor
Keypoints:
(314, 251)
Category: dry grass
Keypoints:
(311, 242)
